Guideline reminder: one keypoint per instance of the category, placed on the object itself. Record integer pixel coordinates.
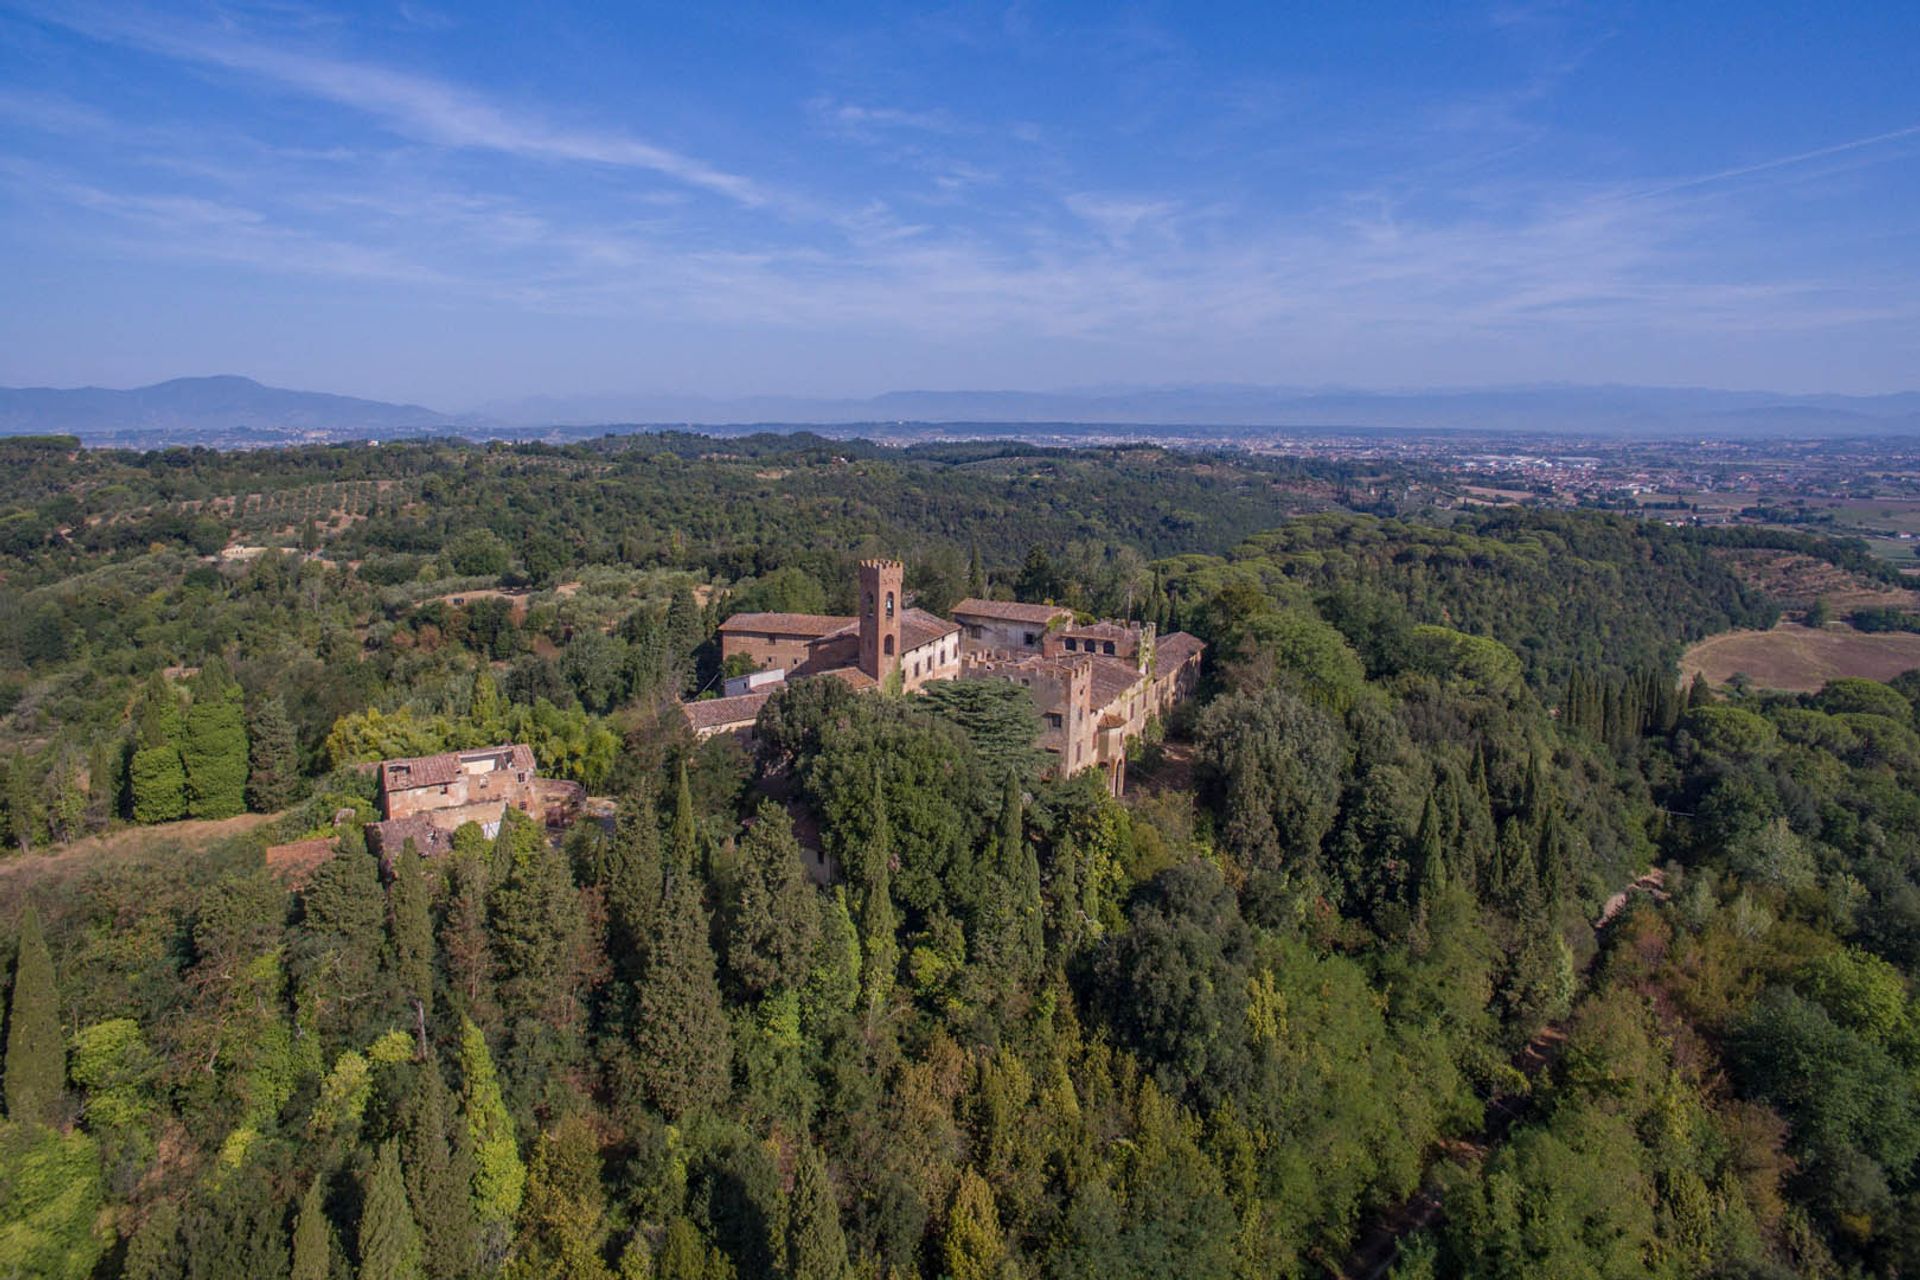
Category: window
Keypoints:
(1033, 637)
(887, 645)
(889, 604)
(1109, 646)
(1072, 644)
(1053, 720)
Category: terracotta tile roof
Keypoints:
(295, 863)
(434, 771)
(724, 713)
(1111, 678)
(1010, 611)
(918, 627)
(854, 676)
(1172, 650)
(785, 624)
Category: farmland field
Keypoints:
(1801, 659)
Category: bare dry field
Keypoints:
(1801, 659)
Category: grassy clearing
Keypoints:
(123, 848)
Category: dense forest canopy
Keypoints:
(1357, 929)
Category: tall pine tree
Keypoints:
(156, 777)
(564, 1227)
(816, 1249)
(631, 883)
(774, 917)
(879, 945)
(390, 1245)
(313, 1244)
(439, 1174)
(410, 930)
(681, 1034)
(499, 1177)
(683, 840)
(36, 1054)
(215, 746)
(273, 757)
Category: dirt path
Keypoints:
(1378, 1246)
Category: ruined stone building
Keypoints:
(1096, 685)
(428, 798)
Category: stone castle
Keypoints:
(1094, 685)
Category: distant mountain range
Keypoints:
(238, 411)
(206, 410)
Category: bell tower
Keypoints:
(881, 601)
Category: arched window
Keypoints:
(889, 604)
(888, 643)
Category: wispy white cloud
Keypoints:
(1798, 158)
(856, 118)
(916, 239)
(422, 107)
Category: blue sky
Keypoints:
(460, 203)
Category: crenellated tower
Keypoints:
(881, 602)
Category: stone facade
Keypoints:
(427, 798)
(1096, 685)
(1007, 625)
(777, 641)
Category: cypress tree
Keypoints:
(683, 842)
(1008, 931)
(499, 1178)
(537, 924)
(64, 814)
(974, 1245)
(23, 802)
(976, 577)
(215, 747)
(774, 917)
(273, 757)
(410, 927)
(1020, 872)
(36, 1054)
(565, 1225)
(159, 783)
(390, 1246)
(1430, 860)
(486, 709)
(439, 1174)
(632, 881)
(162, 719)
(816, 1249)
(155, 1251)
(313, 1235)
(681, 1034)
(463, 935)
(1699, 693)
(879, 947)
